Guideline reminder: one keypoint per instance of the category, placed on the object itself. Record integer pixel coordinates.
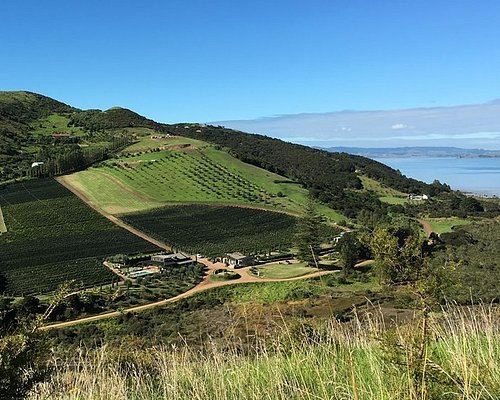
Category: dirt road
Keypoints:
(427, 227)
(111, 217)
(206, 284)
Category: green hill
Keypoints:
(177, 170)
(35, 128)
(330, 177)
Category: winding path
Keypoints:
(206, 284)
(426, 225)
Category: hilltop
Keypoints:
(36, 128)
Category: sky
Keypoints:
(203, 60)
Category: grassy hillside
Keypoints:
(384, 193)
(155, 172)
(37, 128)
(53, 237)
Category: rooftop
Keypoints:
(236, 256)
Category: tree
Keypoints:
(397, 252)
(308, 236)
(24, 352)
(349, 252)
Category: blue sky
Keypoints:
(233, 60)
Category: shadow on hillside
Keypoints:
(329, 267)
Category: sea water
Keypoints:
(474, 175)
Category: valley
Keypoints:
(119, 231)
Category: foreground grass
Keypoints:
(334, 361)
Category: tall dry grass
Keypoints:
(361, 360)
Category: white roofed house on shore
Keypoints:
(418, 197)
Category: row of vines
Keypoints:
(53, 237)
(216, 230)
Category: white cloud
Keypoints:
(398, 126)
(474, 125)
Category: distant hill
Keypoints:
(382, 152)
(37, 128)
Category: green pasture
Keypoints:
(55, 123)
(386, 194)
(442, 225)
(282, 270)
(148, 143)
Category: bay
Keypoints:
(475, 175)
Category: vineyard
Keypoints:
(53, 237)
(184, 171)
(176, 176)
(216, 230)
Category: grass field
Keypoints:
(386, 194)
(147, 143)
(55, 123)
(442, 225)
(187, 171)
(54, 237)
(284, 271)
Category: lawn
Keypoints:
(442, 225)
(282, 270)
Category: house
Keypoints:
(37, 164)
(168, 260)
(237, 260)
(419, 197)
